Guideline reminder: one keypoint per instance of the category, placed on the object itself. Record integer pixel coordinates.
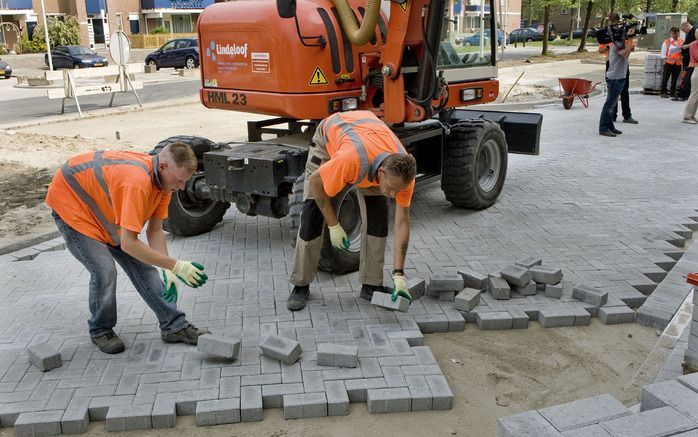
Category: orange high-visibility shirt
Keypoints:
(348, 134)
(97, 193)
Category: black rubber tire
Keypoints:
(187, 216)
(475, 164)
(193, 62)
(529, 39)
(567, 101)
(152, 62)
(331, 259)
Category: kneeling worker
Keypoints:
(354, 149)
(100, 202)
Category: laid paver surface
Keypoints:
(600, 209)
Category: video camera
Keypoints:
(627, 28)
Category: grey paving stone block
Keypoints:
(498, 288)
(442, 281)
(582, 317)
(44, 356)
(76, 417)
(616, 315)
(467, 299)
(99, 406)
(337, 398)
(219, 346)
(251, 408)
(417, 287)
(554, 291)
(519, 319)
(545, 274)
(37, 424)
(662, 421)
(305, 405)
(673, 394)
(281, 348)
(590, 295)
(528, 424)
(692, 433)
(515, 275)
(555, 318)
(690, 358)
(473, 279)
(442, 396)
(129, 417)
(414, 337)
(357, 388)
(647, 315)
(337, 355)
(164, 414)
(447, 296)
(384, 300)
(587, 431)
(584, 412)
(217, 412)
(429, 323)
(631, 297)
(389, 400)
(499, 320)
(273, 395)
(527, 290)
(529, 262)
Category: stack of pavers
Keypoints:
(668, 408)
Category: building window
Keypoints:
(134, 23)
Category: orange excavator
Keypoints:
(299, 61)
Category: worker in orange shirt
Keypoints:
(101, 202)
(354, 149)
(671, 62)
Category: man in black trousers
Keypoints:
(685, 90)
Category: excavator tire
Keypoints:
(331, 259)
(187, 215)
(474, 164)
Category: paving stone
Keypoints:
(429, 323)
(442, 396)
(442, 281)
(219, 346)
(584, 412)
(44, 356)
(528, 424)
(337, 398)
(422, 399)
(590, 295)
(388, 400)
(36, 424)
(251, 404)
(529, 289)
(494, 321)
(546, 275)
(273, 395)
(217, 412)
(499, 288)
(305, 405)
(529, 262)
(357, 388)
(417, 287)
(384, 300)
(129, 417)
(473, 279)
(555, 318)
(467, 299)
(447, 296)
(582, 317)
(587, 431)
(337, 355)
(281, 348)
(519, 319)
(658, 422)
(76, 417)
(673, 394)
(554, 291)
(164, 414)
(413, 337)
(646, 315)
(515, 275)
(616, 315)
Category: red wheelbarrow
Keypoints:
(571, 87)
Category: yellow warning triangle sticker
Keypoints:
(318, 77)
(403, 5)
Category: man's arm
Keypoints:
(323, 201)
(603, 48)
(402, 236)
(628, 50)
(156, 236)
(142, 252)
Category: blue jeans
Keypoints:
(614, 88)
(98, 258)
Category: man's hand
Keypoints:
(169, 292)
(190, 273)
(339, 237)
(400, 288)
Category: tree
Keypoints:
(546, 28)
(587, 19)
(63, 32)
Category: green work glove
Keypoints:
(190, 273)
(169, 292)
(339, 237)
(400, 288)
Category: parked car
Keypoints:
(577, 33)
(5, 69)
(526, 34)
(75, 57)
(474, 39)
(178, 53)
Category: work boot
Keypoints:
(607, 133)
(630, 120)
(298, 298)
(189, 334)
(368, 290)
(109, 343)
(616, 131)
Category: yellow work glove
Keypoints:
(190, 273)
(339, 237)
(169, 292)
(400, 288)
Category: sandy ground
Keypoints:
(492, 374)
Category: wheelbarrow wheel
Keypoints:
(567, 101)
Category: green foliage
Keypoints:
(36, 45)
(159, 29)
(3, 49)
(63, 32)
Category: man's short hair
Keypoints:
(613, 17)
(403, 165)
(674, 29)
(686, 25)
(182, 156)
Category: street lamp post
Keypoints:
(48, 43)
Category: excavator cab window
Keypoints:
(467, 37)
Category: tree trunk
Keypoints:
(571, 22)
(587, 18)
(674, 5)
(613, 5)
(546, 30)
(648, 6)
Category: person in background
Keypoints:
(689, 115)
(687, 70)
(616, 79)
(672, 60)
(614, 19)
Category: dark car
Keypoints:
(474, 39)
(178, 53)
(5, 69)
(526, 34)
(577, 33)
(75, 57)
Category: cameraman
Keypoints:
(614, 20)
(616, 79)
(687, 71)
